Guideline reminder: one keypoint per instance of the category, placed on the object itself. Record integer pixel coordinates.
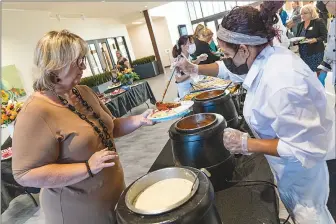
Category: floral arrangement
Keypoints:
(10, 111)
(13, 94)
(127, 76)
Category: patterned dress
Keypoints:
(314, 60)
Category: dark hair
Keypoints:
(321, 7)
(182, 41)
(250, 21)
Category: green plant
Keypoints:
(143, 60)
(127, 76)
(96, 80)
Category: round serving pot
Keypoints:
(197, 141)
(216, 101)
(198, 209)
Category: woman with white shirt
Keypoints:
(184, 47)
(285, 108)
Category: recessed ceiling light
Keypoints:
(145, 6)
(137, 23)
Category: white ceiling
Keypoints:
(124, 12)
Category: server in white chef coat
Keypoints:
(285, 107)
(328, 66)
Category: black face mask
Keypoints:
(238, 70)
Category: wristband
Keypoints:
(88, 168)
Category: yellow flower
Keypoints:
(4, 118)
(128, 70)
(4, 96)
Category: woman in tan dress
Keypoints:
(63, 138)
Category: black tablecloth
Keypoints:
(135, 96)
(240, 204)
(8, 184)
(9, 188)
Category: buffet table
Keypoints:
(240, 203)
(136, 95)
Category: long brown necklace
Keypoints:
(103, 134)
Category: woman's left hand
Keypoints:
(143, 118)
(311, 41)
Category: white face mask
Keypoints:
(192, 48)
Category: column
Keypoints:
(152, 37)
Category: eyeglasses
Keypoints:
(81, 62)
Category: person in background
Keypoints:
(328, 65)
(295, 18)
(184, 47)
(322, 11)
(329, 62)
(198, 29)
(315, 32)
(63, 139)
(202, 46)
(283, 15)
(122, 62)
(197, 32)
(285, 108)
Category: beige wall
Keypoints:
(176, 13)
(140, 40)
(142, 45)
(22, 29)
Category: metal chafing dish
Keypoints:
(148, 180)
(197, 208)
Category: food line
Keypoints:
(196, 144)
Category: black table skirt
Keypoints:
(239, 203)
(9, 187)
(135, 96)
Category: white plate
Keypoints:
(296, 39)
(114, 86)
(178, 112)
(304, 42)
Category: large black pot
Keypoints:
(216, 101)
(200, 209)
(202, 147)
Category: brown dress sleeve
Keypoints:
(34, 144)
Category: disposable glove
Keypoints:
(235, 141)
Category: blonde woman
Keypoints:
(64, 138)
(198, 29)
(203, 46)
(315, 31)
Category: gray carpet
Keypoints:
(137, 152)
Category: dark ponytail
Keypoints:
(177, 49)
(250, 21)
(268, 14)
